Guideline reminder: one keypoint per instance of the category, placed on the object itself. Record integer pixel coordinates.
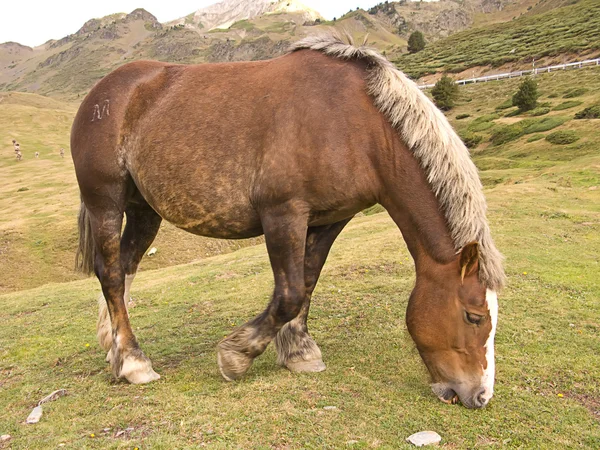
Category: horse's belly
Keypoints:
(220, 216)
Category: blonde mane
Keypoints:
(442, 155)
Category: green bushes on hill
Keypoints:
(575, 92)
(526, 97)
(507, 133)
(505, 105)
(539, 111)
(572, 28)
(416, 42)
(535, 137)
(562, 137)
(444, 93)
(591, 112)
(566, 105)
(539, 125)
(471, 140)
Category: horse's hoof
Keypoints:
(232, 364)
(138, 370)
(316, 365)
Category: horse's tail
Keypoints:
(84, 260)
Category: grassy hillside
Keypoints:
(548, 366)
(573, 30)
(544, 210)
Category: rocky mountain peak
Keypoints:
(227, 12)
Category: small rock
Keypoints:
(424, 438)
(352, 442)
(329, 408)
(152, 251)
(35, 415)
(50, 398)
(5, 438)
(593, 188)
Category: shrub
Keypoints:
(471, 140)
(462, 116)
(486, 118)
(562, 137)
(527, 95)
(538, 125)
(506, 104)
(507, 133)
(416, 42)
(575, 92)
(480, 126)
(566, 105)
(591, 112)
(444, 93)
(535, 137)
(516, 112)
(539, 111)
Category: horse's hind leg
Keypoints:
(296, 349)
(140, 230)
(285, 235)
(127, 359)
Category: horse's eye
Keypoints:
(475, 319)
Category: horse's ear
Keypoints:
(469, 260)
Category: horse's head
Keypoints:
(452, 319)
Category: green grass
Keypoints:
(562, 137)
(575, 92)
(545, 217)
(571, 29)
(566, 105)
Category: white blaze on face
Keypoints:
(487, 381)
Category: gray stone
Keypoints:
(5, 438)
(35, 415)
(50, 398)
(423, 438)
(329, 408)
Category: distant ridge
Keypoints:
(227, 12)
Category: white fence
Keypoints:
(501, 76)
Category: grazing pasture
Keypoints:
(544, 210)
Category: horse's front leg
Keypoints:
(296, 349)
(285, 229)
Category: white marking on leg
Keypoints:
(104, 327)
(126, 295)
(487, 381)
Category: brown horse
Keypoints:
(291, 148)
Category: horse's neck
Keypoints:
(411, 203)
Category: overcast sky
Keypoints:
(34, 22)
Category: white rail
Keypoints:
(535, 71)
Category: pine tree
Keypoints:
(416, 42)
(444, 93)
(527, 95)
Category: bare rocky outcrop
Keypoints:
(227, 12)
(247, 50)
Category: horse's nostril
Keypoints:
(480, 400)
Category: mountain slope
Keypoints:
(238, 30)
(572, 30)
